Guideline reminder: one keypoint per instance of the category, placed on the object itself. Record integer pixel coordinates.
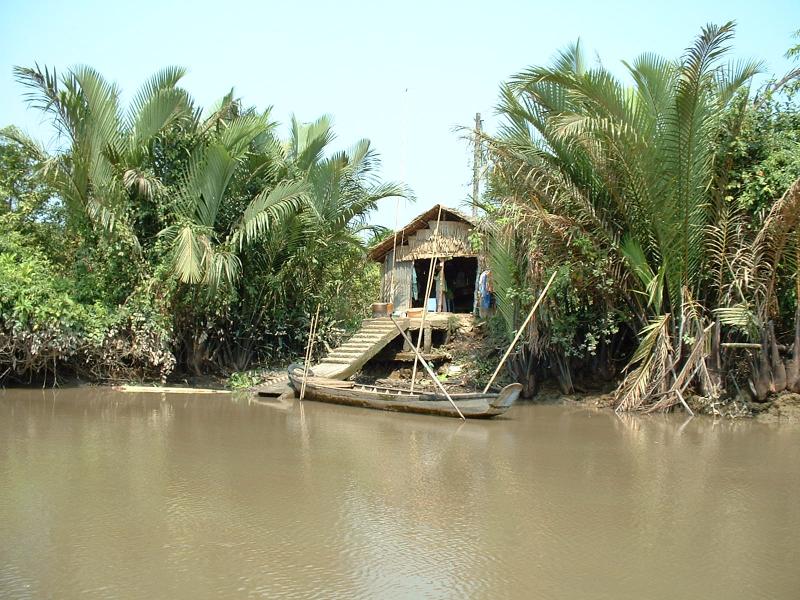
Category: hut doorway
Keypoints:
(460, 275)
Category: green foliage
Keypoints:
(630, 166)
(766, 153)
(43, 329)
(26, 202)
(653, 199)
(197, 235)
(244, 380)
(35, 299)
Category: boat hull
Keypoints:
(474, 406)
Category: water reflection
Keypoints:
(106, 495)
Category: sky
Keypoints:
(406, 75)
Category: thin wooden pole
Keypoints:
(394, 250)
(740, 345)
(428, 286)
(311, 333)
(392, 288)
(306, 359)
(428, 368)
(519, 332)
(307, 368)
(476, 165)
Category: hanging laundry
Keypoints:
(486, 291)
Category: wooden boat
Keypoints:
(473, 405)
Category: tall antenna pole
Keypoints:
(476, 165)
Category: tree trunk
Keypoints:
(778, 378)
(793, 365)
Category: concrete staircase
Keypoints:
(348, 358)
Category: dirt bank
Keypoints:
(467, 360)
(784, 407)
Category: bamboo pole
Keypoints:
(428, 369)
(394, 254)
(309, 348)
(312, 336)
(519, 332)
(749, 346)
(428, 286)
(741, 345)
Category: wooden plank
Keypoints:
(377, 333)
(149, 389)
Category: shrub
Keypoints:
(43, 329)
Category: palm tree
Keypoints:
(640, 171)
(199, 197)
(101, 167)
(203, 249)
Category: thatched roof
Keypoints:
(379, 250)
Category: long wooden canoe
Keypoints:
(473, 406)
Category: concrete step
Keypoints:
(336, 361)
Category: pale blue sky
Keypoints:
(355, 60)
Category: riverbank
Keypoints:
(783, 407)
(467, 360)
(463, 364)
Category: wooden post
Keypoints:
(427, 339)
(428, 287)
(476, 165)
(429, 370)
(519, 332)
(406, 345)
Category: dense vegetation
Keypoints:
(165, 239)
(668, 206)
(161, 236)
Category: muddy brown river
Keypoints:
(110, 495)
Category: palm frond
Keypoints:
(267, 209)
(189, 251)
(652, 358)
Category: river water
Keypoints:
(110, 495)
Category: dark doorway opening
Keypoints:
(459, 275)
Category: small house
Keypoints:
(439, 238)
